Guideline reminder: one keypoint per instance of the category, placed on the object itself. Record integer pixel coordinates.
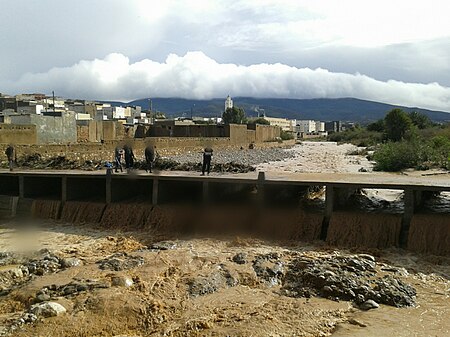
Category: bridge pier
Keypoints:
(413, 199)
(155, 191)
(335, 197)
(205, 192)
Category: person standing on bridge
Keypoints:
(207, 156)
(129, 157)
(10, 154)
(118, 153)
(149, 158)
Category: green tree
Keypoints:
(260, 120)
(377, 126)
(397, 124)
(234, 115)
(420, 120)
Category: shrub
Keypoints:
(285, 135)
(396, 156)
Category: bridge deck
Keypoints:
(374, 180)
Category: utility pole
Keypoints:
(192, 110)
(150, 110)
(54, 106)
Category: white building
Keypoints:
(306, 126)
(82, 116)
(320, 126)
(228, 103)
(119, 113)
(284, 123)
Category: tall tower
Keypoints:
(228, 103)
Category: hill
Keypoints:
(344, 109)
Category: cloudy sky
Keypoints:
(390, 51)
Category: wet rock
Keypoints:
(48, 263)
(47, 309)
(356, 322)
(42, 298)
(121, 281)
(269, 268)
(367, 257)
(12, 272)
(29, 318)
(369, 304)
(70, 262)
(240, 258)
(121, 261)
(395, 292)
(71, 289)
(204, 285)
(350, 278)
(164, 245)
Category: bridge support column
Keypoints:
(108, 192)
(330, 201)
(412, 199)
(63, 190)
(260, 187)
(155, 191)
(14, 203)
(21, 186)
(205, 191)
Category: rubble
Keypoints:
(269, 268)
(70, 289)
(121, 261)
(203, 285)
(351, 278)
(47, 309)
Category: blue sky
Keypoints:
(389, 51)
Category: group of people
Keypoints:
(126, 152)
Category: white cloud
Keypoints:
(195, 75)
(40, 35)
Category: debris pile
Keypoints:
(203, 285)
(121, 261)
(351, 278)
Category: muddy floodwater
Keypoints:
(115, 284)
(62, 279)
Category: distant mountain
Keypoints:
(324, 109)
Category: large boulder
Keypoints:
(48, 309)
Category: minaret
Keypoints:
(228, 103)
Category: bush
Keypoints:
(357, 136)
(396, 156)
(415, 153)
(285, 135)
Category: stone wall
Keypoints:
(18, 134)
(164, 146)
(50, 129)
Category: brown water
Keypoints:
(159, 305)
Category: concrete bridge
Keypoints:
(260, 189)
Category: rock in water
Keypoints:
(121, 281)
(369, 304)
(240, 258)
(48, 309)
(70, 262)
